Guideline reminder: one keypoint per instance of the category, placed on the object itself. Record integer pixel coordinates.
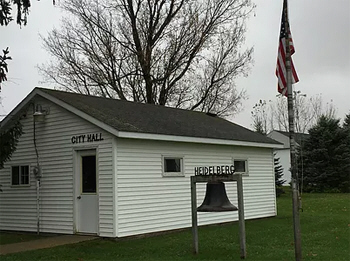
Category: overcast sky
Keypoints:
(321, 36)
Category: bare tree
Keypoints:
(319, 108)
(180, 53)
(307, 111)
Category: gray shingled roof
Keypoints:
(299, 137)
(154, 119)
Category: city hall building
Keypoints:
(114, 168)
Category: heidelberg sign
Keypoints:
(214, 170)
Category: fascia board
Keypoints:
(162, 137)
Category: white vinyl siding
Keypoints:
(148, 202)
(53, 139)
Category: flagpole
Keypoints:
(295, 198)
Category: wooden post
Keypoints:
(241, 216)
(194, 215)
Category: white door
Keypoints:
(86, 193)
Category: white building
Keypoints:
(284, 153)
(116, 168)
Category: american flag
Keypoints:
(281, 70)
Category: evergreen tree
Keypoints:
(346, 124)
(278, 176)
(326, 156)
(346, 155)
(8, 142)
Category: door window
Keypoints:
(89, 174)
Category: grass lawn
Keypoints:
(325, 226)
(10, 238)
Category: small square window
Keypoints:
(20, 175)
(172, 166)
(241, 166)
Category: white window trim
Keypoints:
(173, 174)
(246, 173)
(29, 174)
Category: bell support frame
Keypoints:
(223, 178)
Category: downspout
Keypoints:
(37, 173)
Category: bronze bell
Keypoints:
(216, 199)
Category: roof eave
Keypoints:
(162, 137)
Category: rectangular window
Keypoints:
(172, 166)
(20, 175)
(241, 166)
(88, 174)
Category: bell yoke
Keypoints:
(215, 199)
